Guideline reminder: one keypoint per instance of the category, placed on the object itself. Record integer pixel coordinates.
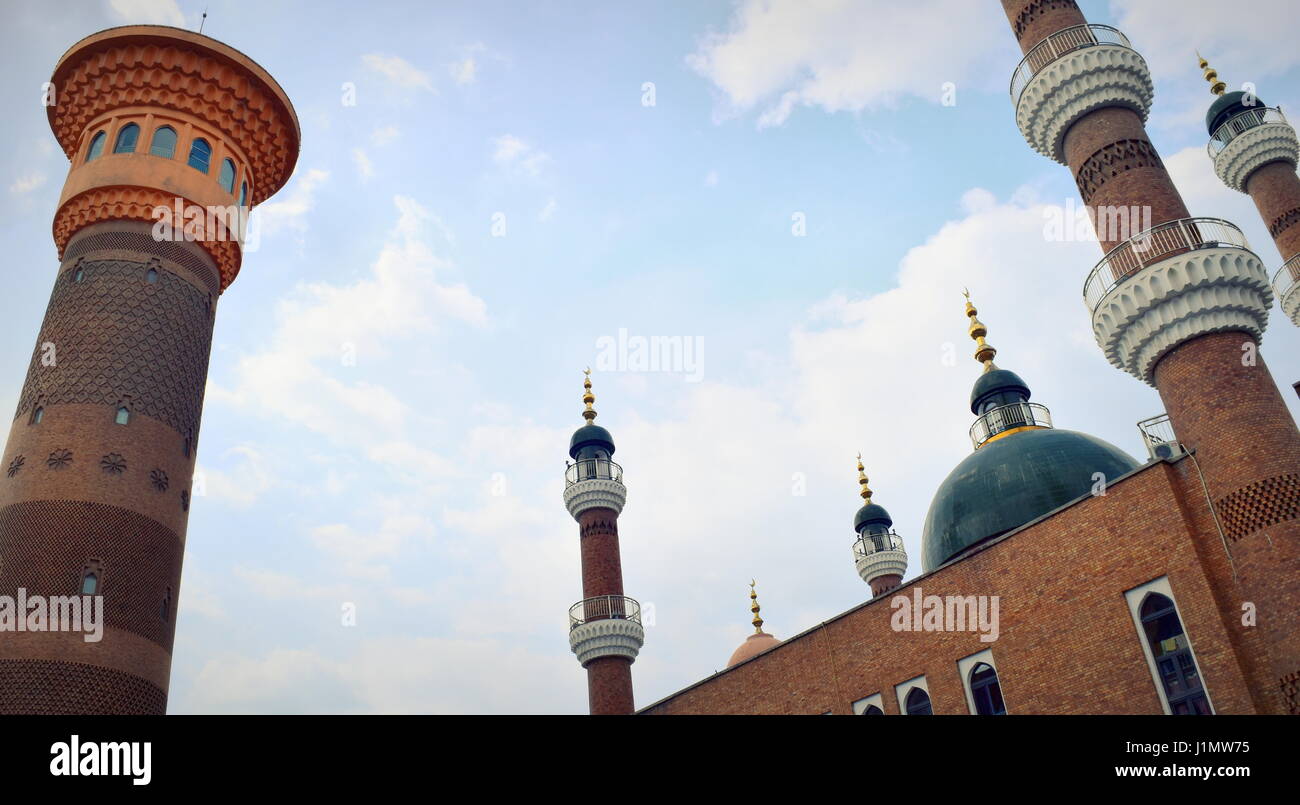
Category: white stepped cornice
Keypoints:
(1271, 141)
(611, 637)
(1207, 290)
(880, 563)
(1074, 85)
(594, 493)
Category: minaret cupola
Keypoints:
(878, 552)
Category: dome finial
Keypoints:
(865, 492)
(984, 351)
(1211, 75)
(753, 607)
(588, 398)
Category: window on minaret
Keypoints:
(151, 276)
(918, 703)
(38, 415)
(243, 193)
(167, 605)
(126, 139)
(164, 143)
(123, 416)
(200, 153)
(90, 582)
(986, 691)
(1175, 666)
(227, 176)
(96, 145)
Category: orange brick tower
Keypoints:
(1182, 306)
(605, 630)
(878, 552)
(1255, 150)
(172, 137)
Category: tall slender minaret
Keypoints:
(172, 136)
(605, 630)
(1255, 151)
(878, 551)
(1181, 306)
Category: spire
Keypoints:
(753, 607)
(865, 492)
(1211, 75)
(984, 351)
(588, 398)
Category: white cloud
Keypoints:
(464, 71)
(27, 183)
(781, 54)
(399, 71)
(364, 167)
(291, 207)
(150, 12)
(248, 478)
(384, 135)
(548, 210)
(711, 179)
(511, 152)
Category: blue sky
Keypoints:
(421, 482)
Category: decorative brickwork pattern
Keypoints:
(48, 687)
(1036, 9)
(1284, 222)
(45, 545)
(144, 244)
(1291, 692)
(118, 336)
(1259, 505)
(1112, 160)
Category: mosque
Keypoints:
(1059, 574)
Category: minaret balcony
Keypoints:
(1172, 283)
(1284, 285)
(1248, 141)
(1008, 418)
(606, 626)
(879, 554)
(592, 483)
(1071, 73)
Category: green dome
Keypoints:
(590, 435)
(1011, 481)
(872, 513)
(1228, 105)
(996, 381)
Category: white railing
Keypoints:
(1157, 430)
(1154, 245)
(1057, 45)
(1007, 417)
(1238, 124)
(1284, 281)
(604, 607)
(867, 544)
(587, 469)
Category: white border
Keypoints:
(860, 706)
(903, 688)
(1135, 597)
(967, 664)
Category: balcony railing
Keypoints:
(1284, 281)
(867, 544)
(1154, 245)
(602, 608)
(1007, 417)
(1157, 430)
(1057, 45)
(1241, 123)
(588, 469)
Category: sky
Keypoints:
(517, 189)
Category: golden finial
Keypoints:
(1211, 75)
(588, 398)
(984, 351)
(753, 607)
(862, 481)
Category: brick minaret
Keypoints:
(98, 464)
(605, 630)
(1181, 306)
(1255, 150)
(878, 551)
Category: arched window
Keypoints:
(80, 275)
(152, 276)
(123, 416)
(200, 153)
(96, 145)
(227, 176)
(89, 583)
(986, 691)
(918, 703)
(243, 193)
(164, 142)
(872, 710)
(1175, 664)
(126, 139)
(38, 415)
(167, 605)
